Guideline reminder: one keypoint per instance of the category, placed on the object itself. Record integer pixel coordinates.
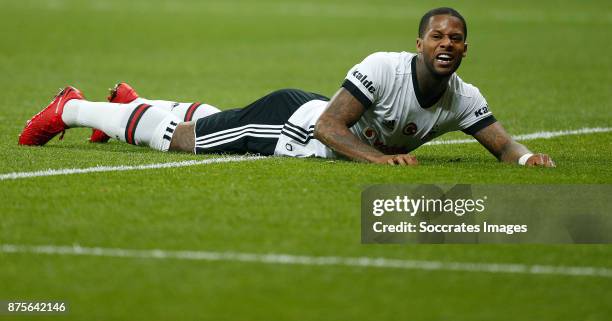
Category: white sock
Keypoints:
(134, 123)
(185, 111)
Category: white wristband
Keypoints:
(523, 160)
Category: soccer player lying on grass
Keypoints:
(388, 105)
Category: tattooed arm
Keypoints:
(495, 139)
(332, 129)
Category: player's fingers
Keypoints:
(534, 160)
(391, 161)
(548, 162)
(400, 160)
(409, 159)
(540, 160)
(413, 160)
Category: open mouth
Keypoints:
(444, 58)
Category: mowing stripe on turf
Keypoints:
(97, 169)
(69, 171)
(288, 259)
(536, 135)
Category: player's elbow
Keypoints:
(319, 129)
(328, 127)
(324, 128)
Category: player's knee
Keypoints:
(183, 139)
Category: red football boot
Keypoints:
(122, 93)
(48, 122)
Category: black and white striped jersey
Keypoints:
(394, 121)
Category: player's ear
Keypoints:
(465, 47)
(419, 45)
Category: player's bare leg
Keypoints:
(183, 139)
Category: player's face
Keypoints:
(443, 45)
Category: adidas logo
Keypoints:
(363, 79)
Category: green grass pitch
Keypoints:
(542, 65)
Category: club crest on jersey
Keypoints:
(410, 129)
(369, 133)
(363, 79)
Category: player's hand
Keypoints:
(540, 160)
(399, 159)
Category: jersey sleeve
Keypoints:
(476, 115)
(367, 81)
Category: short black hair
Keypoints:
(438, 12)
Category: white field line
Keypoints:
(69, 171)
(536, 135)
(97, 169)
(288, 259)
